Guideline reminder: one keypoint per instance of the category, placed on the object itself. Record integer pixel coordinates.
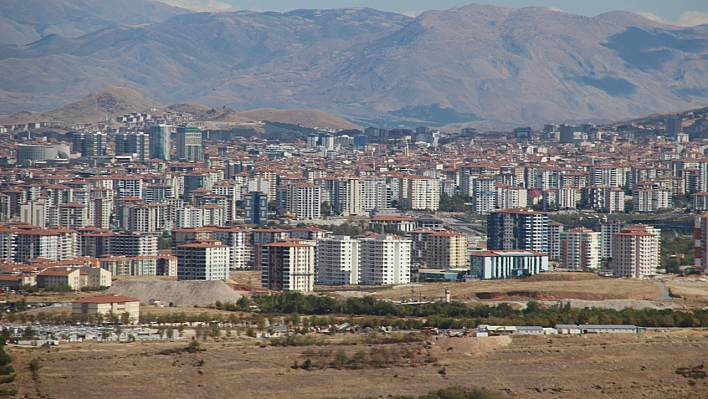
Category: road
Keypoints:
(664, 294)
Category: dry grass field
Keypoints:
(548, 286)
(578, 367)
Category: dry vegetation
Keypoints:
(549, 286)
(656, 365)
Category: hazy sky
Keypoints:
(679, 12)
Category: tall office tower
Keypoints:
(90, 144)
(160, 142)
(580, 249)
(337, 261)
(189, 143)
(518, 229)
(288, 266)
(384, 260)
(208, 260)
(256, 207)
(635, 251)
(133, 143)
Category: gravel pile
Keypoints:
(180, 293)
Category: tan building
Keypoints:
(446, 249)
(288, 266)
(60, 276)
(106, 304)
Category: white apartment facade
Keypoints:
(337, 261)
(384, 260)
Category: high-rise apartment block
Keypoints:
(580, 249)
(205, 260)
(635, 251)
(384, 260)
(337, 261)
(288, 266)
(517, 229)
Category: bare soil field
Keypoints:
(689, 288)
(549, 287)
(570, 367)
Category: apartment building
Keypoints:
(635, 252)
(517, 229)
(303, 201)
(384, 260)
(288, 266)
(554, 239)
(204, 260)
(580, 249)
(337, 261)
(133, 244)
(446, 249)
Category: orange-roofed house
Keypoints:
(106, 304)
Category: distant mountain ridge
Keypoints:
(473, 64)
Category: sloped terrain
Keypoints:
(474, 63)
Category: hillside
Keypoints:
(116, 101)
(305, 117)
(483, 64)
(109, 102)
(26, 21)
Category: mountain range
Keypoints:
(475, 64)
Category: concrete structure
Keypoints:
(517, 229)
(446, 249)
(288, 266)
(91, 144)
(701, 241)
(554, 239)
(137, 144)
(117, 305)
(134, 244)
(256, 208)
(31, 154)
(57, 277)
(484, 195)
(635, 252)
(607, 230)
(303, 201)
(160, 144)
(381, 224)
(337, 261)
(501, 264)
(34, 213)
(384, 259)
(189, 143)
(580, 249)
(203, 261)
